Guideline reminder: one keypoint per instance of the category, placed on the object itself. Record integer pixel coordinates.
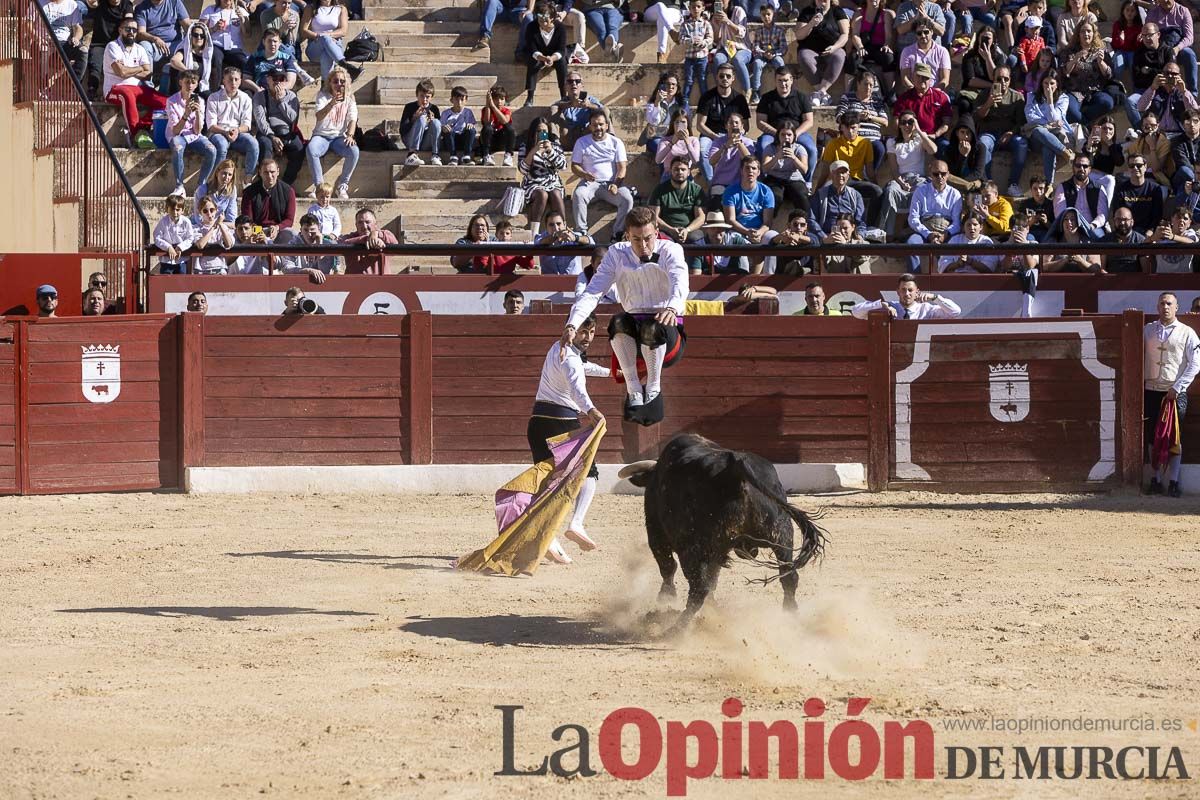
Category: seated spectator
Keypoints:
(1177, 230)
(599, 161)
(245, 232)
(845, 232)
(324, 26)
(173, 234)
(912, 12)
(1048, 126)
(712, 114)
(873, 43)
(1155, 146)
(126, 66)
(1143, 198)
(185, 126)
(604, 18)
(749, 206)
(906, 156)
(276, 114)
(1085, 194)
(228, 115)
(1174, 20)
(929, 104)
(271, 203)
(1185, 153)
(540, 161)
(106, 22)
(1070, 20)
(1088, 74)
(369, 235)
(729, 42)
(197, 303)
(545, 47)
(557, 233)
(222, 187)
(1024, 265)
(1106, 153)
(678, 205)
(160, 28)
(979, 66)
(719, 232)
(678, 143)
(850, 148)
(47, 300)
(786, 102)
(573, 112)
(337, 119)
(479, 231)
(212, 230)
(421, 126)
(514, 302)
(971, 234)
(935, 211)
(314, 265)
(506, 265)
(821, 36)
(785, 166)
(1124, 233)
(865, 100)
(94, 304)
(513, 11)
(272, 57)
(696, 35)
(965, 157)
(1000, 118)
(1039, 206)
(1066, 230)
(1044, 63)
(283, 19)
(834, 199)
(1167, 98)
(727, 154)
(928, 51)
(662, 108)
(911, 303)
(325, 213)
(66, 24)
(796, 234)
(997, 211)
(768, 47)
(459, 128)
(496, 122)
(1150, 61)
(225, 20)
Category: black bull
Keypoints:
(704, 502)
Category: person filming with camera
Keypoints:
(295, 303)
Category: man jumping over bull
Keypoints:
(651, 277)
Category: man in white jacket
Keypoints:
(1172, 359)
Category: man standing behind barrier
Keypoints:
(1172, 359)
(912, 303)
(368, 234)
(652, 279)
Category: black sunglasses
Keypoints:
(99, 283)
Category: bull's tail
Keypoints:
(812, 536)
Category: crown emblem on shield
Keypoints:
(101, 366)
(1008, 391)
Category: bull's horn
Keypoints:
(636, 468)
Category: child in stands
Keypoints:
(505, 265)
(326, 214)
(173, 234)
(496, 120)
(458, 128)
(421, 126)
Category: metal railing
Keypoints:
(86, 170)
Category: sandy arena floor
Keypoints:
(317, 647)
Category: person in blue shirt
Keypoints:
(573, 112)
(557, 233)
(160, 28)
(750, 206)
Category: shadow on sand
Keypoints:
(222, 613)
(333, 557)
(527, 631)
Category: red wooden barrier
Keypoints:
(9, 405)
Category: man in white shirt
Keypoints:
(228, 116)
(1172, 359)
(913, 303)
(126, 65)
(599, 161)
(651, 277)
(561, 398)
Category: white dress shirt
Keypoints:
(562, 382)
(228, 112)
(940, 308)
(644, 287)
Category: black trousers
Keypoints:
(533, 67)
(293, 151)
(542, 428)
(507, 139)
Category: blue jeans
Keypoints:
(740, 63)
(1122, 63)
(326, 50)
(879, 152)
(1131, 110)
(693, 72)
(459, 144)
(914, 262)
(1017, 145)
(805, 140)
(245, 144)
(208, 153)
(425, 134)
(1050, 146)
(1099, 104)
(319, 146)
(756, 72)
(951, 27)
(604, 22)
(493, 10)
(1186, 58)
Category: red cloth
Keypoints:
(1166, 434)
(129, 97)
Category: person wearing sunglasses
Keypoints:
(928, 51)
(573, 113)
(106, 21)
(935, 213)
(47, 301)
(1084, 193)
(126, 68)
(1143, 198)
(1000, 118)
(906, 156)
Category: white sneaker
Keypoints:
(413, 160)
(508, 161)
(453, 161)
(179, 191)
(618, 48)
(488, 161)
(342, 192)
(874, 235)
(609, 43)
(436, 161)
(1014, 190)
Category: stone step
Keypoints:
(460, 53)
(464, 4)
(421, 13)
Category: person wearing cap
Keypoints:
(834, 199)
(47, 301)
(929, 104)
(717, 231)
(928, 51)
(275, 111)
(1032, 44)
(910, 303)
(856, 152)
(933, 203)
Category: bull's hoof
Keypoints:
(789, 604)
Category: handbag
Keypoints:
(512, 202)
(363, 47)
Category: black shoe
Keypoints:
(353, 69)
(632, 413)
(1155, 487)
(651, 413)
(1173, 489)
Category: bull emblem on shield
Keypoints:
(1008, 391)
(101, 372)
